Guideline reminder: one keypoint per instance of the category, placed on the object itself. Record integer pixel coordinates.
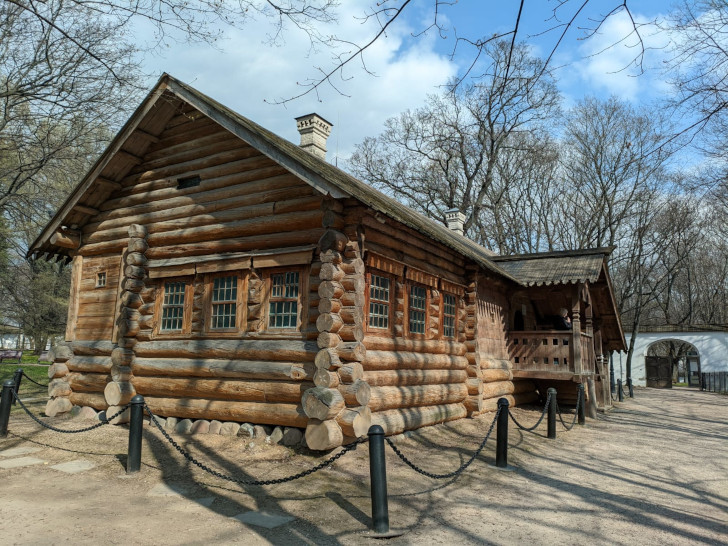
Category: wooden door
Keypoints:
(659, 372)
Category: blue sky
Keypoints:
(247, 74)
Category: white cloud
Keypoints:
(610, 60)
(248, 72)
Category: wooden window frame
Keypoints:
(392, 288)
(408, 294)
(301, 301)
(442, 315)
(241, 308)
(186, 310)
(101, 275)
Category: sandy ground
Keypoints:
(652, 471)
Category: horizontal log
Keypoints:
(353, 299)
(322, 403)
(332, 240)
(326, 378)
(323, 435)
(95, 364)
(389, 360)
(513, 400)
(329, 322)
(92, 400)
(355, 421)
(496, 375)
(240, 369)
(330, 272)
(327, 358)
(351, 372)
(221, 389)
(397, 421)
(87, 382)
(326, 340)
(92, 348)
(119, 393)
(384, 398)
(330, 290)
(357, 393)
(378, 343)
(121, 357)
(60, 353)
(66, 239)
(495, 363)
(56, 370)
(353, 351)
(262, 413)
(59, 388)
(328, 305)
(475, 386)
(233, 349)
(121, 373)
(474, 404)
(497, 388)
(384, 378)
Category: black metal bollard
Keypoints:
(17, 378)
(552, 414)
(378, 478)
(629, 384)
(501, 446)
(620, 392)
(5, 404)
(581, 403)
(136, 421)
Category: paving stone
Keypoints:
(215, 427)
(264, 519)
(184, 426)
(291, 437)
(229, 429)
(15, 451)
(87, 413)
(277, 435)
(170, 424)
(201, 426)
(20, 461)
(247, 430)
(74, 467)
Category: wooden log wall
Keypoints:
(424, 380)
(242, 201)
(338, 403)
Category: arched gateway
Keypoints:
(710, 343)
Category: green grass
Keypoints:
(27, 389)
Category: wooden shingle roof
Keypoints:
(552, 268)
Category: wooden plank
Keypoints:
(74, 299)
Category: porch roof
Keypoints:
(552, 268)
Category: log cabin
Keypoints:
(225, 273)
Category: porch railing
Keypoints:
(542, 350)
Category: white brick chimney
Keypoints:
(455, 220)
(314, 131)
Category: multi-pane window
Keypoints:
(224, 302)
(449, 310)
(379, 290)
(283, 300)
(417, 309)
(101, 279)
(173, 306)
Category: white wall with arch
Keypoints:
(712, 348)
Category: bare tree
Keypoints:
(446, 154)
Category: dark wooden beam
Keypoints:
(85, 210)
(108, 184)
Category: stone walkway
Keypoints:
(652, 471)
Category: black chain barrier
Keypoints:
(106, 420)
(454, 473)
(576, 414)
(209, 470)
(33, 380)
(543, 414)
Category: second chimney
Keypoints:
(314, 131)
(455, 220)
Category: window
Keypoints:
(101, 279)
(379, 291)
(417, 309)
(449, 310)
(173, 305)
(224, 303)
(283, 300)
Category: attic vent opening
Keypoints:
(188, 182)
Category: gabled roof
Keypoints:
(323, 176)
(551, 268)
